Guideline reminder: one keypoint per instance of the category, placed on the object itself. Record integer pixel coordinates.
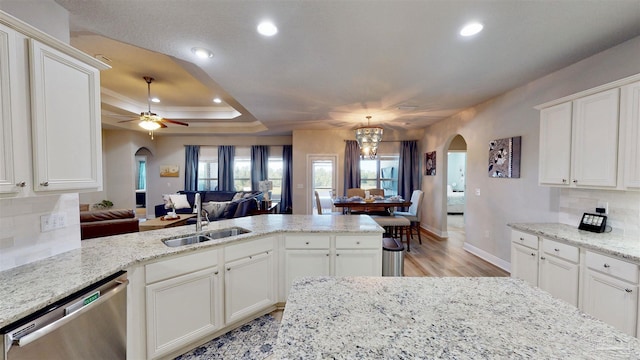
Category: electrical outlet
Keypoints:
(53, 221)
(477, 192)
(605, 205)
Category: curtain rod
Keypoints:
(389, 141)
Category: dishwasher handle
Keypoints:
(29, 338)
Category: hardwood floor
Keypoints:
(446, 257)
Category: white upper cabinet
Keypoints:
(555, 147)
(65, 99)
(630, 125)
(590, 139)
(50, 107)
(595, 140)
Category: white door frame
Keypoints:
(310, 159)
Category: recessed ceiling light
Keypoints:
(202, 52)
(155, 100)
(217, 100)
(471, 29)
(267, 28)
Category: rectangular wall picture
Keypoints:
(504, 157)
(430, 163)
(169, 170)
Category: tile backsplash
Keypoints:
(22, 240)
(624, 208)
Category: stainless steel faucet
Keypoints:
(198, 206)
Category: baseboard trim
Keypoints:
(504, 265)
(440, 235)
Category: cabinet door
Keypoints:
(595, 140)
(358, 263)
(65, 107)
(630, 116)
(249, 286)
(11, 155)
(559, 278)
(182, 309)
(524, 264)
(611, 300)
(300, 263)
(555, 145)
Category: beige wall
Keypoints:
(331, 142)
(502, 201)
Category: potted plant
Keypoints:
(103, 205)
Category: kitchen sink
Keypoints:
(205, 236)
(194, 239)
(223, 233)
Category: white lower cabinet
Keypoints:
(183, 301)
(611, 291)
(250, 278)
(524, 257)
(559, 270)
(340, 255)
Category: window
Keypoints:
(380, 173)
(208, 168)
(275, 171)
(242, 169)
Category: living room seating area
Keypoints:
(219, 205)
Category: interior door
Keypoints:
(323, 180)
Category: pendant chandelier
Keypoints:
(369, 137)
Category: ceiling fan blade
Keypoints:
(135, 119)
(175, 122)
(162, 125)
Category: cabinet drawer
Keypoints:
(238, 251)
(525, 239)
(611, 266)
(358, 242)
(561, 250)
(181, 265)
(307, 242)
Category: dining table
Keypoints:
(361, 205)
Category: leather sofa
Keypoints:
(241, 207)
(98, 223)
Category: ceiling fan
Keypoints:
(151, 121)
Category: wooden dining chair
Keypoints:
(355, 192)
(376, 192)
(319, 206)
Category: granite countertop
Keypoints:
(624, 247)
(31, 287)
(439, 318)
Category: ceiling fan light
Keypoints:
(149, 125)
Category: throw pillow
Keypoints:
(180, 201)
(237, 196)
(215, 208)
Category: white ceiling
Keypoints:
(332, 62)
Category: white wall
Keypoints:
(503, 201)
(45, 15)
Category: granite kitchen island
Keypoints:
(439, 318)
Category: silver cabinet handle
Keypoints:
(575, 181)
(357, 242)
(307, 243)
(533, 254)
(564, 181)
(521, 239)
(57, 324)
(543, 258)
(21, 184)
(215, 273)
(337, 254)
(556, 249)
(607, 265)
(228, 269)
(46, 183)
(327, 254)
(628, 290)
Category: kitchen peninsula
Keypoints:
(439, 318)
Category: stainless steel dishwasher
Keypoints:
(89, 324)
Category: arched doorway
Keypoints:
(456, 185)
(141, 160)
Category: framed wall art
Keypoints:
(430, 163)
(504, 157)
(169, 170)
